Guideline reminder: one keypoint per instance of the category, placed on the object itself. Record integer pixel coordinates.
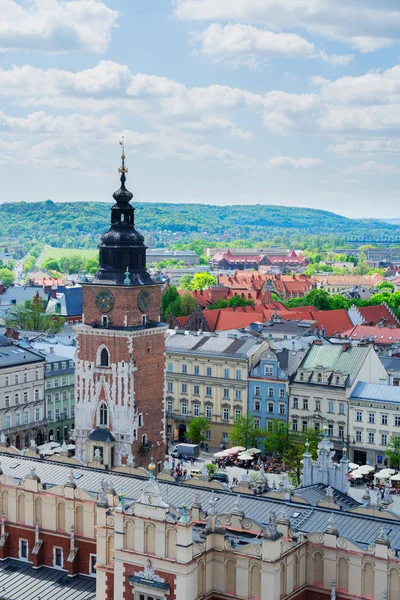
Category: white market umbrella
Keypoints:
(236, 449)
(385, 474)
(357, 475)
(352, 466)
(219, 454)
(254, 451)
(47, 451)
(366, 469)
(395, 477)
(70, 446)
(245, 456)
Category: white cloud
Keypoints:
(287, 162)
(246, 44)
(366, 146)
(373, 167)
(56, 26)
(41, 122)
(363, 24)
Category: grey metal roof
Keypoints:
(376, 391)
(391, 363)
(317, 493)
(20, 581)
(242, 347)
(361, 529)
(16, 355)
(335, 358)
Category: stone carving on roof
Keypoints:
(149, 574)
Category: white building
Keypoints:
(374, 416)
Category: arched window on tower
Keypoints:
(109, 259)
(104, 358)
(103, 414)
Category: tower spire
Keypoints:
(123, 169)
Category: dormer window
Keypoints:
(337, 380)
(302, 376)
(319, 377)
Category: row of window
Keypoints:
(371, 437)
(271, 392)
(208, 371)
(331, 405)
(59, 396)
(17, 420)
(226, 411)
(304, 376)
(58, 413)
(208, 390)
(371, 418)
(270, 407)
(317, 427)
(58, 556)
(21, 397)
(56, 366)
(18, 378)
(59, 382)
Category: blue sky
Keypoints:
(293, 102)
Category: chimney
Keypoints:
(12, 334)
(53, 292)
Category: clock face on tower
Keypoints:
(143, 301)
(104, 300)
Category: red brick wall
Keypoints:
(110, 587)
(149, 392)
(125, 304)
(131, 569)
(46, 552)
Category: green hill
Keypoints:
(80, 224)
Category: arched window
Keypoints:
(318, 568)
(150, 540)
(394, 589)
(200, 578)
(171, 543)
(296, 572)
(103, 413)
(230, 576)
(110, 548)
(104, 358)
(283, 579)
(61, 516)
(4, 503)
(79, 520)
(368, 587)
(130, 535)
(38, 510)
(343, 574)
(21, 509)
(255, 583)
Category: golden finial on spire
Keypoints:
(123, 169)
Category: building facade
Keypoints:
(22, 405)
(206, 376)
(119, 407)
(209, 544)
(268, 391)
(60, 397)
(373, 418)
(322, 385)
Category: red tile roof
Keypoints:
(333, 321)
(374, 314)
(384, 336)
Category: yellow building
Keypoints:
(207, 376)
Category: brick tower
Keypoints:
(119, 409)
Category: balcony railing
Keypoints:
(26, 426)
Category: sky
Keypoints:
(288, 102)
